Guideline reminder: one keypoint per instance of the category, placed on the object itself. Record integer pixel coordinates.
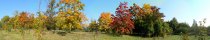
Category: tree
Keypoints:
(148, 21)
(40, 21)
(179, 28)
(5, 21)
(69, 16)
(122, 22)
(1, 24)
(104, 21)
(50, 22)
(208, 28)
(194, 28)
(174, 25)
(39, 24)
(14, 21)
(23, 20)
(194, 23)
(167, 29)
(202, 31)
(182, 28)
(93, 26)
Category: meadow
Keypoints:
(49, 35)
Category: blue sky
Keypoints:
(183, 10)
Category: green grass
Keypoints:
(48, 35)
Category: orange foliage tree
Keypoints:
(23, 19)
(104, 21)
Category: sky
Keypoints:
(184, 10)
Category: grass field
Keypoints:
(48, 35)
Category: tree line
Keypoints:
(66, 15)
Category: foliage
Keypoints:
(182, 28)
(24, 20)
(179, 28)
(50, 13)
(69, 17)
(5, 19)
(194, 28)
(1, 24)
(40, 21)
(174, 25)
(162, 29)
(122, 22)
(208, 30)
(39, 24)
(104, 21)
(148, 21)
(202, 31)
(93, 26)
(185, 36)
(5, 22)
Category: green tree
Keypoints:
(208, 28)
(162, 29)
(93, 26)
(194, 28)
(5, 21)
(182, 28)
(202, 30)
(167, 29)
(174, 25)
(148, 21)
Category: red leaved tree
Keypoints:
(122, 22)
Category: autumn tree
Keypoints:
(5, 19)
(122, 22)
(20, 20)
(104, 21)
(14, 21)
(50, 13)
(0, 24)
(23, 19)
(69, 15)
(93, 26)
(5, 22)
(39, 25)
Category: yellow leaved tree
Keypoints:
(70, 16)
(104, 21)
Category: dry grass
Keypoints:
(48, 35)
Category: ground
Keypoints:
(48, 35)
